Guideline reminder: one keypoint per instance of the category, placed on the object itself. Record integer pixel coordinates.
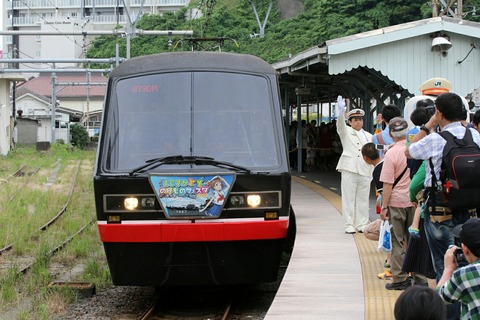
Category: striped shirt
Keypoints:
(432, 146)
(464, 286)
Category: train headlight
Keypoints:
(237, 200)
(148, 202)
(130, 203)
(254, 200)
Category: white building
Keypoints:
(72, 16)
(6, 119)
(74, 103)
(36, 107)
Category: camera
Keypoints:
(460, 259)
(430, 110)
(381, 147)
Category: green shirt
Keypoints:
(417, 182)
(464, 286)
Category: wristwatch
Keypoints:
(382, 207)
(427, 131)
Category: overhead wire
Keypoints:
(199, 9)
(209, 5)
(29, 56)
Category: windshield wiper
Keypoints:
(155, 162)
(179, 159)
(213, 162)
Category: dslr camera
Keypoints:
(459, 256)
(430, 110)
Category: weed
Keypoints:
(31, 200)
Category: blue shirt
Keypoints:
(386, 138)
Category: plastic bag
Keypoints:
(385, 239)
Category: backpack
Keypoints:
(460, 171)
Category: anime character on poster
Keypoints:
(218, 189)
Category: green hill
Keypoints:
(292, 25)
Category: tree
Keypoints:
(79, 136)
(322, 20)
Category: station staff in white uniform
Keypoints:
(356, 173)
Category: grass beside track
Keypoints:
(30, 199)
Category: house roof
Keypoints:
(24, 91)
(42, 85)
(401, 32)
(13, 76)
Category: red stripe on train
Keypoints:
(183, 232)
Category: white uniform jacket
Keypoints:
(351, 158)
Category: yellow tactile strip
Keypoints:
(379, 302)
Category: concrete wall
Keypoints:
(5, 134)
(27, 131)
(35, 108)
(81, 105)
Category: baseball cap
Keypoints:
(469, 234)
(356, 113)
(397, 124)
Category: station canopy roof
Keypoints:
(390, 62)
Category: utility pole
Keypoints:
(459, 9)
(131, 25)
(87, 115)
(447, 8)
(128, 27)
(260, 25)
(54, 104)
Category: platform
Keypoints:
(331, 275)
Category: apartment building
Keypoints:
(69, 16)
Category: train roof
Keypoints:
(192, 60)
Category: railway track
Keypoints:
(14, 174)
(23, 263)
(44, 227)
(12, 196)
(176, 303)
(107, 301)
(46, 239)
(155, 312)
(214, 303)
(35, 251)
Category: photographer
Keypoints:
(383, 138)
(462, 283)
(426, 144)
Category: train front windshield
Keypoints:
(226, 116)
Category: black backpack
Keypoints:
(460, 171)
